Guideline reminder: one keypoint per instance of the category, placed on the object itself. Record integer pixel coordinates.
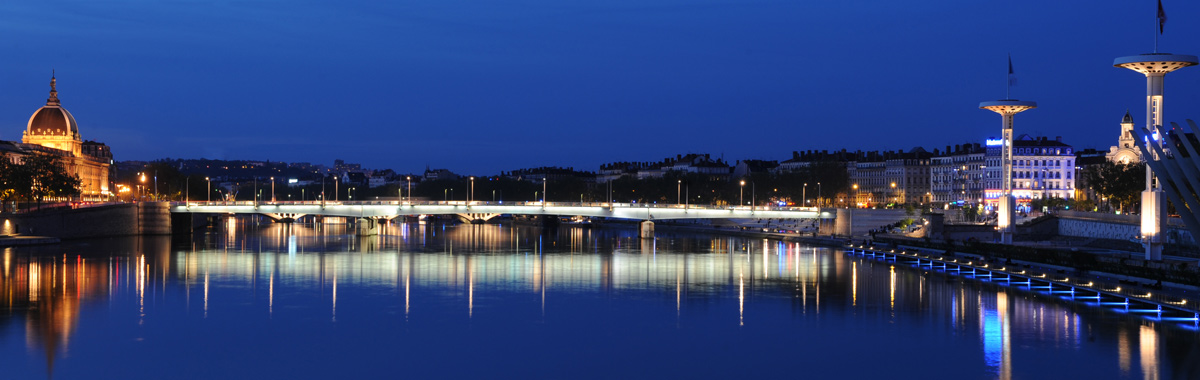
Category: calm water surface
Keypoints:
(430, 301)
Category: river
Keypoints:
(249, 300)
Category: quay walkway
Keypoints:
(1155, 304)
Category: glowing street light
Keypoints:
(209, 188)
(741, 189)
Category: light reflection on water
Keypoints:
(721, 290)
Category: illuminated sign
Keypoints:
(994, 142)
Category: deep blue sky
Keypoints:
(483, 86)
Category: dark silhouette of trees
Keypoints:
(36, 177)
(1122, 184)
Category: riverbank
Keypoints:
(20, 240)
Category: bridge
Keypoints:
(374, 211)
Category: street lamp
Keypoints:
(471, 193)
(272, 189)
(818, 194)
(804, 195)
(894, 198)
(544, 180)
(741, 189)
(678, 186)
(408, 179)
(855, 187)
(209, 188)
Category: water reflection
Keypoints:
(484, 271)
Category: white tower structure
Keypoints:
(1155, 66)
(1007, 108)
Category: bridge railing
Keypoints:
(501, 203)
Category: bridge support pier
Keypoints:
(366, 227)
(646, 229)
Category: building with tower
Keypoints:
(1125, 151)
(53, 130)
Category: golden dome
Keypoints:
(52, 119)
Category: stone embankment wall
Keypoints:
(146, 218)
(855, 221)
(1112, 226)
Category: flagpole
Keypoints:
(1160, 17)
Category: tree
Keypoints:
(40, 175)
(7, 186)
(1122, 184)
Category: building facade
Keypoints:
(1042, 168)
(958, 175)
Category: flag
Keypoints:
(1162, 17)
(1012, 79)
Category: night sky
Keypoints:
(484, 86)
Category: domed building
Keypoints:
(53, 130)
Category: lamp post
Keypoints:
(272, 189)
(804, 195)
(544, 180)
(408, 179)
(687, 199)
(209, 192)
(143, 185)
(894, 200)
(678, 186)
(187, 190)
(855, 187)
(818, 194)
(471, 192)
(741, 189)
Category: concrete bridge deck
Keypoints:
(392, 209)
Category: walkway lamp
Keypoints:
(408, 179)
(272, 189)
(471, 192)
(804, 195)
(544, 191)
(209, 188)
(678, 186)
